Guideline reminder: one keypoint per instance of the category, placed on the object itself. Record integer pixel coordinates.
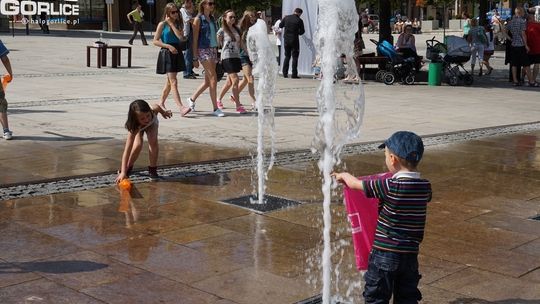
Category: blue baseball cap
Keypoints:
(406, 145)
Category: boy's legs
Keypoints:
(379, 277)
(406, 281)
(3, 116)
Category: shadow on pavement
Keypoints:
(52, 267)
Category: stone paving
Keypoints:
(69, 236)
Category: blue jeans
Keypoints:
(392, 273)
(188, 57)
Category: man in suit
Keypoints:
(294, 27)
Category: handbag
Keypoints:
(183, 45)
(220, 72)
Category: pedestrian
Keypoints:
(43, 22)
(489, 50)
(403, 199)
(533, 41)
(229, 38)
(293, 27)
(205, 51)
(277, 33)
(478, 40)
(135, 17)
(187, 11)
(169, 36)
(8, 134)
(248, 19)
(406, 45)
(519, 47)
(466, 24)
(141, 119)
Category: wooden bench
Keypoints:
(364, 60)
(116, 58)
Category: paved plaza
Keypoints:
(70, 236)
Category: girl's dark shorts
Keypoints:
(232, 65)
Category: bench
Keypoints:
(370, 59)
(116, 58)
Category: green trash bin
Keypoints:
(434, 73)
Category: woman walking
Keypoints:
(169, 35)
(248, 19)
(229, 39)
(205, 51)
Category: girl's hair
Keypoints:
(245, 22)
(167, 11)
(474, 22)
(226, 27)
(138, 106)
(201, 8)
(466, 15)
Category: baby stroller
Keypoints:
(453, 55)
(398, 67)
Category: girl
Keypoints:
(478, 41)
(141, 119)
(489, 50)
(229, 39)
(205, 51)
(168, 36)
(248, 19)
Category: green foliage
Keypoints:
(240, 5)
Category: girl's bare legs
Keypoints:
(249, 81)
(153, 147)
(226, 87)
(135, 150)
(210, 81)
(165, 93)
(173, 85)
(235, 90)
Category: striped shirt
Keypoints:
(402, 211)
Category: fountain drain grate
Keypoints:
(271, 203)
(313, 300)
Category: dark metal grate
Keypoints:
(313, 300)
(271, 203)
(535, 218)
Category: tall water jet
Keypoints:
(341, 107)
(262, 52)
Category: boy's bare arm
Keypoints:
(349, 180)
(7, 65)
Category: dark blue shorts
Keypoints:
(392, 273)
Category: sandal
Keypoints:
(534, 84)
(489, 71)
(517, 84)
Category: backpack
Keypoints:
(481, 36)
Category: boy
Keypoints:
(393, 262)
(3, 102)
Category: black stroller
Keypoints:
(398, 67)
(453, 55)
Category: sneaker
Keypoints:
(220, 105)
(184, 110)
(240, 109)
(8, 135)
(218, 113)
(191, 104)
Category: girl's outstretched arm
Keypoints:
(161, 110)
(125, 157)
(349, 180)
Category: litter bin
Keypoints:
(434, 73)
